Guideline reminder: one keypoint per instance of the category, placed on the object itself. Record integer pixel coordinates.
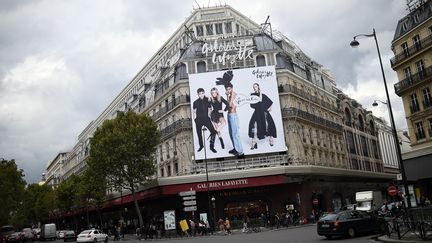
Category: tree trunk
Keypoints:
(141, 222)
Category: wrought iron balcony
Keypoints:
(294, 112)
(182, 124)
(411, 51)
(313, 99)
(412, 80)
(183, 99)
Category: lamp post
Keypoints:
(207, 177)
(355, 43)
(213, 200)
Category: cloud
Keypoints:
(63, 62)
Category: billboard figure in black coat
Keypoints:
(261, 124)
(201, 114)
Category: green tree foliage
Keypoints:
(37, 204)
(66, 193)
(12, 185)
(122, 151)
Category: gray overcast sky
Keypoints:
(63, 62)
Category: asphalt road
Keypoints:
(285, 235)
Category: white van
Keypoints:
(48, 231)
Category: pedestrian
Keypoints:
(221, 225)
(227, 225)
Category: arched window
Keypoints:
(347, 117)
(361, 123)
(260, 59)
(201, 67)
(181, 72)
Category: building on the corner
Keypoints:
(412, 46)
(315, 170)
(387, 145)
(55, 169)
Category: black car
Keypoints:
(349, 223)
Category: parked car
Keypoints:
(60, 234)
(349, 223)
(69, 235)
(15, 237)
(93, 235)
(5, 231)
(27, 234)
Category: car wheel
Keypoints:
(351, 232)
(328, 237)
(106, 239)
(95, 240)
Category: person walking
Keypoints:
(227, 226)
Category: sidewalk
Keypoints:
(132, 237)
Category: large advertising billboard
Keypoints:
(236, 112)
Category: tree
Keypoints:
(12, 185)
(91, 191)
(36, 206)
(122, 151)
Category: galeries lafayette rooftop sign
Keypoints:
(228, 52)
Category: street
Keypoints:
(293, 234)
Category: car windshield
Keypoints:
(85, 232)
(329, 217)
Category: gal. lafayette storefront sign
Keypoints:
(224, 184)
(220, 52)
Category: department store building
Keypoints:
(326, 147)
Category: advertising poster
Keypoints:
(169, 220)
(239, 111)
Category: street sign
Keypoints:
(189, 203)
(190, 209)
(187, 193)
(189, 198)
(392, 191)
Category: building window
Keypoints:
(427, 101)
(365, 147)
(420, 134)
(404, 47)
(228, 27)
(162, 172)
(430, 127)
(219, 30)
(416, 42)
(209, 29)
(372, 128)
(167, 149)
(347, 117)
(200, 30)
(237, 29)
(351, 145)
(420, 69)
(407, 72)
(201, 67)
(414, 105)
(169, 170)
(260, 59)
(404, 26)
(416, 18)
(181, 72)
(176, 169)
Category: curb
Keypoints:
(386, 239)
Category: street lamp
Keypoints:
(207, 177)
(355, 43)
(376, 104)
(213, 200)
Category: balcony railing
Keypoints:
(182, 124)
(413, 79)
(313, 99)
(183, 99)
(427, 103)
(424, 43)
(294, 112)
